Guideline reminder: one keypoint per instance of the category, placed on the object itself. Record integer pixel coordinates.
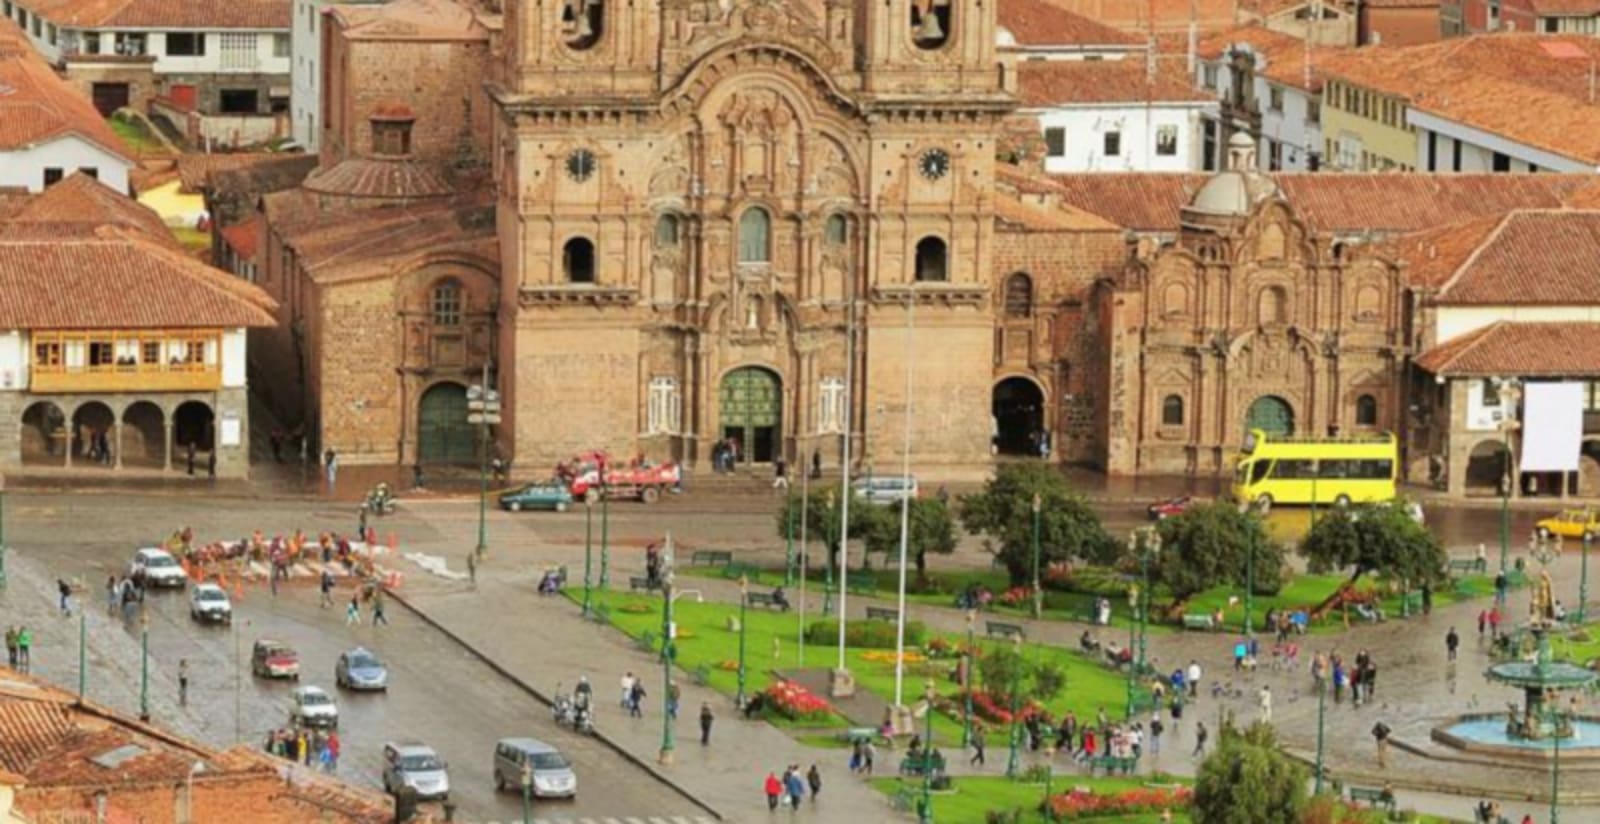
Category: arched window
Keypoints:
(1272, 307)
(667, 231)
(1172, 410)
(582, 22)
(837, 231)
(1019, 296)
(930, 23)
(577, 260)
(931, 262)
(755, 236)
(1366, 411)
(446, 303)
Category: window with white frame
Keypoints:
(238, 50)
(664, 413)
(830, 406)
(1055, 142)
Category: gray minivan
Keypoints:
(415, 765)
(551, 772)
(886, 489)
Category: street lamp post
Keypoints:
(1583, 578)
(805, 554)
(527, 794)
(788, 547)
(1016, 695)
(588, 559)
(744, 600)
(1555, 771)
(966, 683)
(1250, 582)
(827, 583)
(1142, 542)
(926, 816)
(83, 652)
(667, 655)
(605, 531)
(1508, 391)
(483, 411)
(1038, 594)
(144, 665)
(1322, 701)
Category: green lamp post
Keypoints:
(966, 682)
(483, 411)
(744, 600)
(1016, 696)
(788, 547)
(526, 779)
(926, 816)
(588, 560)
(667, 653)
(1583, 578)
(144, 665)
(1038, 594)
(827, 583)
(1250, 582)
(83, 653)
(605, 532)
(1322, 702)
(1509, 392)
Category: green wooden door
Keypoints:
(1271, 415)
(752, 412)
(443, 434)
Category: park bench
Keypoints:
(1411, 603)
(1373, 798)
(710, 557)
(1463, 566)
(764, 599)
(915, 764)
(882, 614)
(638, 582)
(1112, 764)
(865, 589)
(1371, 613)
(646, 642)
(1201, 621)
(733, 571)
(700, 676)
(997, 629)
(857, 735)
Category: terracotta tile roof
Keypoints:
(1054, 83)
(195, 168)
(1558, 349)
(1280, 57)
(1566, 8)
(409, 20)
(47, 269)
(1543, 257)
(169, 14)
(82, 199)
(1565, 125)
(1433, 255)
(1042, 23)
(1167, 14)
(1030, 214)
(389, 179)
(37, 106)
(329, 246)
(244, 237)
(1586, 196)
(1380, 203)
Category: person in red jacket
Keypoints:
(774, 789)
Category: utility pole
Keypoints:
(483, 411)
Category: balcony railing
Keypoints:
(126, 361)
(127, 377)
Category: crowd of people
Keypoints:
(313, 748)
(791, 789)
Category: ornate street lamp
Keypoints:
(1038, 594)
(483, 411)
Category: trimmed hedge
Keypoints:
(865, 634)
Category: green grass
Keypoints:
(972, 797)
(709, 643)
(134, 133)
(195, 240)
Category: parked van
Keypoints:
(886, 489)
(549, 771)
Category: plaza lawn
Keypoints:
(135, 134)
(972, 797)
(705, 640)
(1580, 646)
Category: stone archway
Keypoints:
(144, 435)
(751, 412)
(1018, 409)
(193, 428)
(44, 435)
(443, 434)
(1270, 414)
(1486, 468)
(93, 425)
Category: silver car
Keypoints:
(415, 765)
(358, 669)
(160, 569)
(548, 771)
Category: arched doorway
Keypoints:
(192, 424)
(1018, 416)
(1486, 468)
(443, 434)
(1589, 468)
(143, 435)
(92, 425)
(752, 412)
(44, 434)
(1270, 414)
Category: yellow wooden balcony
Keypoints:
(181, 377)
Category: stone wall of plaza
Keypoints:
(144, 429)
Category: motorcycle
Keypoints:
(567, 713)
(381, 501)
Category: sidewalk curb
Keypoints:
(1362, 778)
(646, 765)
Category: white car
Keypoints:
(159, 567)
(313, 707)
(208, 602)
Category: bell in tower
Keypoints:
(582, 22)
(930, 23)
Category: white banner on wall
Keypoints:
(1552, 426)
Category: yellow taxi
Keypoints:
(1571, 523)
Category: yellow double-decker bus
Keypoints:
(1278, 469)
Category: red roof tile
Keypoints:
(1051, 83)
(1432, 256)
(82, 199)
(1281, 58)
(244, 237)
(37, 106)
(1566, 8)
(1042, 23)
(1532, 258)
(172, 14)
(1564, 349)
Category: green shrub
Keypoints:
(864, 634)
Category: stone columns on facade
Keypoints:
(166, 453)
(117, 454)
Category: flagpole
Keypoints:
(905, 506)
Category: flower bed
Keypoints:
(987, 708)
(796, 703)
(1076, 805)
(887, 657)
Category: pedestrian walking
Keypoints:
(705, 724)
(66, 592)
(1156, 728)
(774, 790)
(626, 683)
(672, 699)
(868, 753)
(190, 459)
(24, 649)
(361, 522)
(795, 786)
(1451, 641)
(780, 475)
(11, 647)
(111, 594)
(472, 569)
(636, 699)
(1380, 734)
(1192, 678)
(352, 611)
(1264, 699)
(977, 747)
(1200, 739)
(183, 682)
(333, 751)
(377, 609)
(330, 459)
(326, 587)
(1483, 620)
(1494, 621)
(814, 780)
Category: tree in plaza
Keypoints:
(1000, 668)
(1247, 780)
(1210, 544)
(930, 528)
(822, 516)
(1068, 527)
(1382, 539)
